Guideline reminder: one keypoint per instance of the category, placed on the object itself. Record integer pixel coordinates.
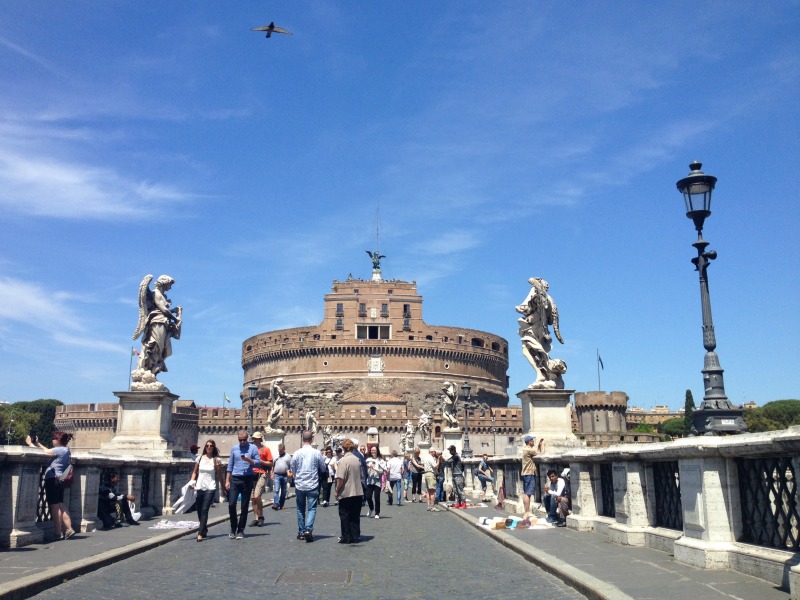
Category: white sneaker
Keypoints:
(377, 516)
(369, 515)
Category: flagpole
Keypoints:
(599, 389)
(130, 369)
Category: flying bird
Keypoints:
(272, 28)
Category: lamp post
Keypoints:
(466, 451)
(493, 431)
(716, 414)
(252, 389)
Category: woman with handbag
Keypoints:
(327, 481)
(54, 476)
(207, 473)
(376, 467)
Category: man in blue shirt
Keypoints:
(239, 482)
(308, 465)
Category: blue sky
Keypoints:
(500, 141)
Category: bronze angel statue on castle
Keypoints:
(158, 324)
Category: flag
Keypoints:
(134, 352)
(600, 360)
(225, 396)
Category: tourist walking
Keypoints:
(239, 480)
(281, 470)
(360, 454)
(394, 468)
(327, 481)
(429, 478)
(458, 477)
(308, 467)
(262, 477)
(406, 475)
(207, 473)
(415, 464)
(54, 475)
(376, 467)
(349, 494)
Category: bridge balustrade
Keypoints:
(25, 517)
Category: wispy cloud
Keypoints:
(34, 184)
(28, 55)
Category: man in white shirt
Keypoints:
(395, 466)
(555, 489)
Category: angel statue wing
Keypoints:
(145, 300)
(554, 319)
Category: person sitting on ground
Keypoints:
(564, 500)
(554, 490)
(484, 475)
(112, 507)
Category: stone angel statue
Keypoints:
(424, 426)
(158, 324)
(327, 436)
(539, 313)
(277, 398)
(449, 404)
(311, 422)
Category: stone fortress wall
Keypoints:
(96, 424)
(373, 342)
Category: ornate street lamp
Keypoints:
(716, 414)
(466, 451)
(252, 389)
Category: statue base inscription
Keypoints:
(452, 437)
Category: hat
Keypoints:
(257, 436)
(565, 472)
(194, 448)
(529, 438)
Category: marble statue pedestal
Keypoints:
(424, 449)
(144, 422)
(272, 438)
(452, 437)
(547, 414)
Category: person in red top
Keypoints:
(263, 478)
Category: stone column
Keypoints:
(711, 512)
(630, 504)
(20, 485)
(584, 485)
(83, 496)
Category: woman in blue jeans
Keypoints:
(205, 477)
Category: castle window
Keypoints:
(477, 342)
(340, 309)
(316, 336)
(339, 324)
(373, 411)
(446, 365)
(429, 338)
(373, 332)
(362, 309)
(324, 363)
(390, 292)
(355, 291)
(460, 339)
(384, 310)
(407, 311)
(445, 339)
(333, 336)
(406, 324)
(495, 346)
(411, 338)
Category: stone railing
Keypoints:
(25, 516)
(713, 502)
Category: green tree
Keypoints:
(773, 416)
(688, 414)
(35, 416)
(644, 428)
(673, 427)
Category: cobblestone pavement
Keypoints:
(408, 553)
